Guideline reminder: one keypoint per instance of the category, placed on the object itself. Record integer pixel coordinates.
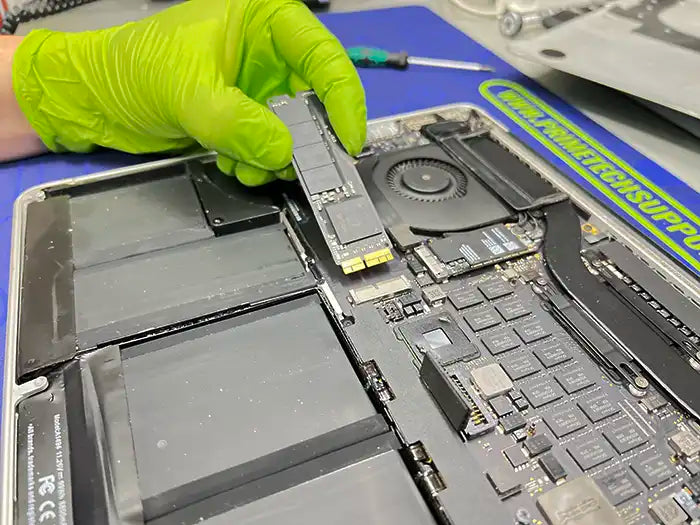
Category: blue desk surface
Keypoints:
(641, 192)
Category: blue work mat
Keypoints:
(640, 191)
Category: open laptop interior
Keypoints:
(189, 350)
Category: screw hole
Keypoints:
(552, 53)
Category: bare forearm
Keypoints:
(17, 138)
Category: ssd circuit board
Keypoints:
(347, 218)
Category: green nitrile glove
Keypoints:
(200, 71)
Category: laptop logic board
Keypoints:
(193, 351)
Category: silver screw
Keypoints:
(511, 23)
(641, 382)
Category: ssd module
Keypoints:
(345, 214)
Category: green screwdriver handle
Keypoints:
(374, 57)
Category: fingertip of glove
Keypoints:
(297, 84)
(347, 112)
(239, 128)
(352, 131)
(225, 164)
(287, 174)
(355, 143)
(278, 149)
(251, 176)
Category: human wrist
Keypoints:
(82, 90)
(26, 85)
(17, 137)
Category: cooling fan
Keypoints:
(427, 180)
(422, 190)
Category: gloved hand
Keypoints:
(199, 71)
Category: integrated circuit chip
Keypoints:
(578, 502)
(292, 114)
(324, 178)
(414, 265)
(598, 407)
(512, 309)
(424, 280)
(349, 220)
(532, 330)
(465, 297)
(619, 486)
(501, 406)
(491, 380)
(513, 422)
(501, 341)
(652, 469)
(438, 333)
(520, 435)
(312, 156)
(495, 289)
(482, 318)
(694, 468)
(515, 456)
(541, 393)
(437, 338)
(565, 422)
(433, 294)
(306, 133)
(537, 445)
(409, 299)
(668, 512)
(653, 401)
(552, 355)
(686, 443)
(573, 380)
(591, 452)
(552, 467)
(521, 366)
(687, 503)
(624, 436)
(503, 483)
(694, 485)
(520, 403)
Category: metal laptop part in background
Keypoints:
(605, 46)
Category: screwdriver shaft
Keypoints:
(451, 64)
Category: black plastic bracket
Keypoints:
(228, 205)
